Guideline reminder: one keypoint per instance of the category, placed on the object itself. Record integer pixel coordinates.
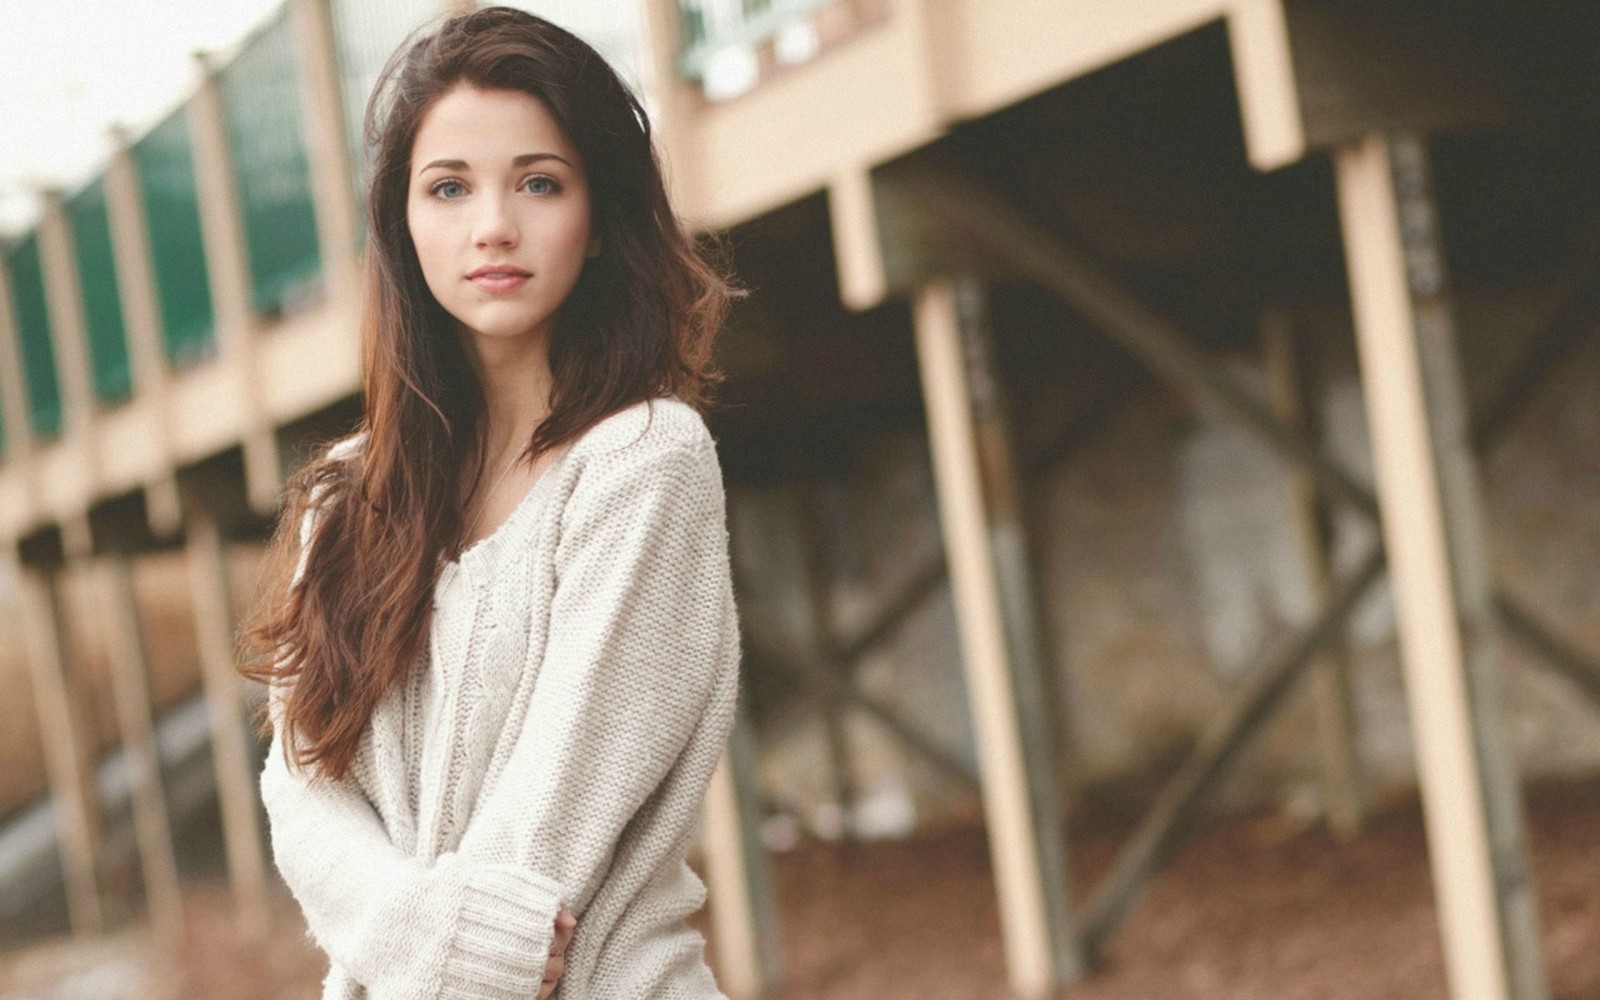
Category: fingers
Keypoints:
(565, 924)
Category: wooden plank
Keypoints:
(141, 312)
(333, 192)
(1034, 679)
(744, 911)
(228, 268)
(1028, 937)
(1432, 529)
(1330, 675)
(1246, 709)
(125, 649)
(237, 793)
(68, 761)
(817, 583)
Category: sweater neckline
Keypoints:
(477, 560)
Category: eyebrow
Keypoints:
(521, 161)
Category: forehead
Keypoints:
(486, 127)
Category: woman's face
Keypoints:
(498, 206)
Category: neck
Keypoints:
(516, 380)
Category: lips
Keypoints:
(497, 278)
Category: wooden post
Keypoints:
(236, 779)
(125, 650)
(1041, 948)
(67, 755)
(228, 267)
(327, 147)
(1432, 527)
(1331, 694)
(69, 336)
(817, 582)
(744, 913)
(141, 311)
(19, 445)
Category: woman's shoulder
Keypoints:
(643, 430)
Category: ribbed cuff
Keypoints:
(503, 936)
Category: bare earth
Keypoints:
(1251, 909)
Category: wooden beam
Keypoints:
(141, 311)
(68, 758)
(744, 911)
(1432, 528)
(125, 649)
(857, 244)
(338, 215)
(1032, 942)
(237, 794)
(228, 268)
(817, 583)
(1263, 73)
(767, 650)
(1246, 708)
(1330, 675)
(985, 224)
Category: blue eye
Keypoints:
(551, 181)
(437, 188)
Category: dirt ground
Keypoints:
(1250, 909)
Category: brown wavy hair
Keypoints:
(639, 323)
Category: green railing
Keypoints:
(165, 162)
(710, 27)
(32, 319)
(102, 306)
(261, 102)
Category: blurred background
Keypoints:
(1162, 446)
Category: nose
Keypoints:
(494, 224)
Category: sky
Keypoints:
(70, 70)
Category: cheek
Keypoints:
(429, 244)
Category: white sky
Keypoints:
(69, 70)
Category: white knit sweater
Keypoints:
(552, 744)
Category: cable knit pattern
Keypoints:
(552, 744)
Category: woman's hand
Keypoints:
(557, 962)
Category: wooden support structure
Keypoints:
(1042, 952)
(237, 792)
(1432, 529)
(125, 649)
(817, 582)
(228, 268)
(1330, 675)
(141, 312)
(767, 651)
(987, 223)
(68, 758)
(1247, 708)
(744, 910)
(338, 215)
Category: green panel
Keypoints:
(261, 102)
(33, 337)
(165, 162)
(102, 306)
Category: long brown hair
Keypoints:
(639, 323)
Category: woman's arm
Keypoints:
(643, 636)
(400, 927)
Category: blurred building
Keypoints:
(1077, 333)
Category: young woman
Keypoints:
(505, 661)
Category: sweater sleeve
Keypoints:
(643, 631)
(402, 928)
